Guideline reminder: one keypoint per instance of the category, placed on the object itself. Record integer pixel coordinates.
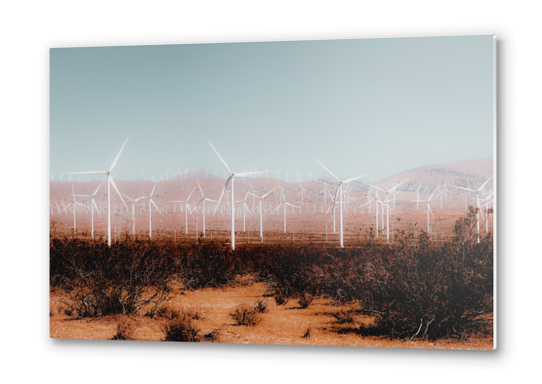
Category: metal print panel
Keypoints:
(332, 193)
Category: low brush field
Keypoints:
(413, 293)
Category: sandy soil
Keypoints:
(284, 324)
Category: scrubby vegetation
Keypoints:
(413, 288)
(246, 315)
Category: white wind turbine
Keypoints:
(151, 201)
(134, 201)
(301, 191)
(339, 193)
(203, 200)
(477, 191)
(232, 178)
(261, 210)
(283, 203)
(73, 204)
(110, 182)
(185, 210)
(429, 210)
(92, 205)
(387, 206)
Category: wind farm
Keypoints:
(302, 193)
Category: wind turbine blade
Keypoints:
(430, 210)
(116, 189)
(331, 173)
(291, 205)
(117, 158)
(221, 159)
(394, 188)
(189, 196)
(335, 198)
(244, 174)
(153, 188)
(95, 192)
(97, 210)
(483, 185)
(466, 189)
(430, 197)
(354, 178)
(153, 203)
(200, 189)
(87, 173)
(374, 186)
(222, 194)
(263, 197)
(248, 209)
(278, 206)
(66, 207)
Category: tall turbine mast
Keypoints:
(110, 182)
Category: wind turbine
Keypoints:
(301, 190)
(261, 210)
(93, 203)
(477, 191)
(339, 192)
(151, 201)
(73, 203)
(232, 178)
(134, 201)
(429, 210)
(387, 207)
(203, 199)
(110, 182)
(284, 204)
(185, 210)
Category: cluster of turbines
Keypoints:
(381, 197)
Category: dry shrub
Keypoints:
(179, 326)
(305, 300)
(344, 316)
(307, 334)
(245, 315)
(261, 305)
(213, 336)
(181, 329)
(125, 329)
(281, 298)
(126, 278)
(168, 313)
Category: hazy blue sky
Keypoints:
(371, 105)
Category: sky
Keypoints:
(377, 106)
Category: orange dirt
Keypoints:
(284, 324)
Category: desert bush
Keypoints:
(307, 334)
(214, 336)
(125, 330)
(245, 315)
(260, 305)
(167, 312)
(280, 298)
(208, 265)
(344, 316)
(102, 280)
(429, 292)
(181, 328)
(305, 300)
